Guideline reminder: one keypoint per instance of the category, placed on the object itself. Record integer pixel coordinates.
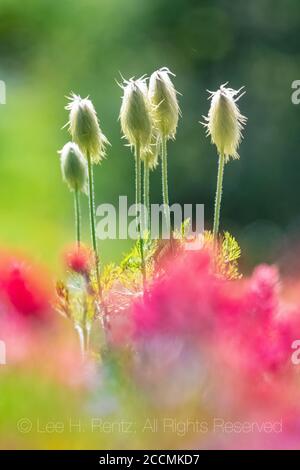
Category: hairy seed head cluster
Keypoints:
(84, 128)
(151, 153)
(163, 97)
(73, 167)
(135, 114)
(224, 122)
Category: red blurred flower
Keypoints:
(78, 259)
(24, 288)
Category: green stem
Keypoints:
(95, 248)
(147, 196)
(92, 221)
(84, 338)
(138, 201)
(218, 197)
(77, 216)
(85, 333)
(165, 190)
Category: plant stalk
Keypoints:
(84, 339)
(147, 196)
(105, 320)
(77, 216)
(138, 202)
(92, 221)
(218, 197)
(165, 189)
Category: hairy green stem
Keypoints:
(218, 197)
(86, 332)
(147, 196)
(92, 221)
(138, 202)
(165, 190)
(77, 216)
(105, 319)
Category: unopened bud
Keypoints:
(73, 167)
(151, 153)
(84, 128)
(135, 114)
(224, 122)
(164, 100)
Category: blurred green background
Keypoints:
(49, 48)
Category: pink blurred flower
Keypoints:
(242, 330)
(189, 300)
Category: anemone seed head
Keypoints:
(151, 153)
(84, 128)
(163, 97)
(73, 167)
(135, 113)
(224, 122)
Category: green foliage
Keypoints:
(76, 299)
(110, 273)
(231, 253)
(228, 254)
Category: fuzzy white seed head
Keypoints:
(135, 113)
(151, 153)
(84, 128)
(73, 167)
(224, 122)
(163, 97)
